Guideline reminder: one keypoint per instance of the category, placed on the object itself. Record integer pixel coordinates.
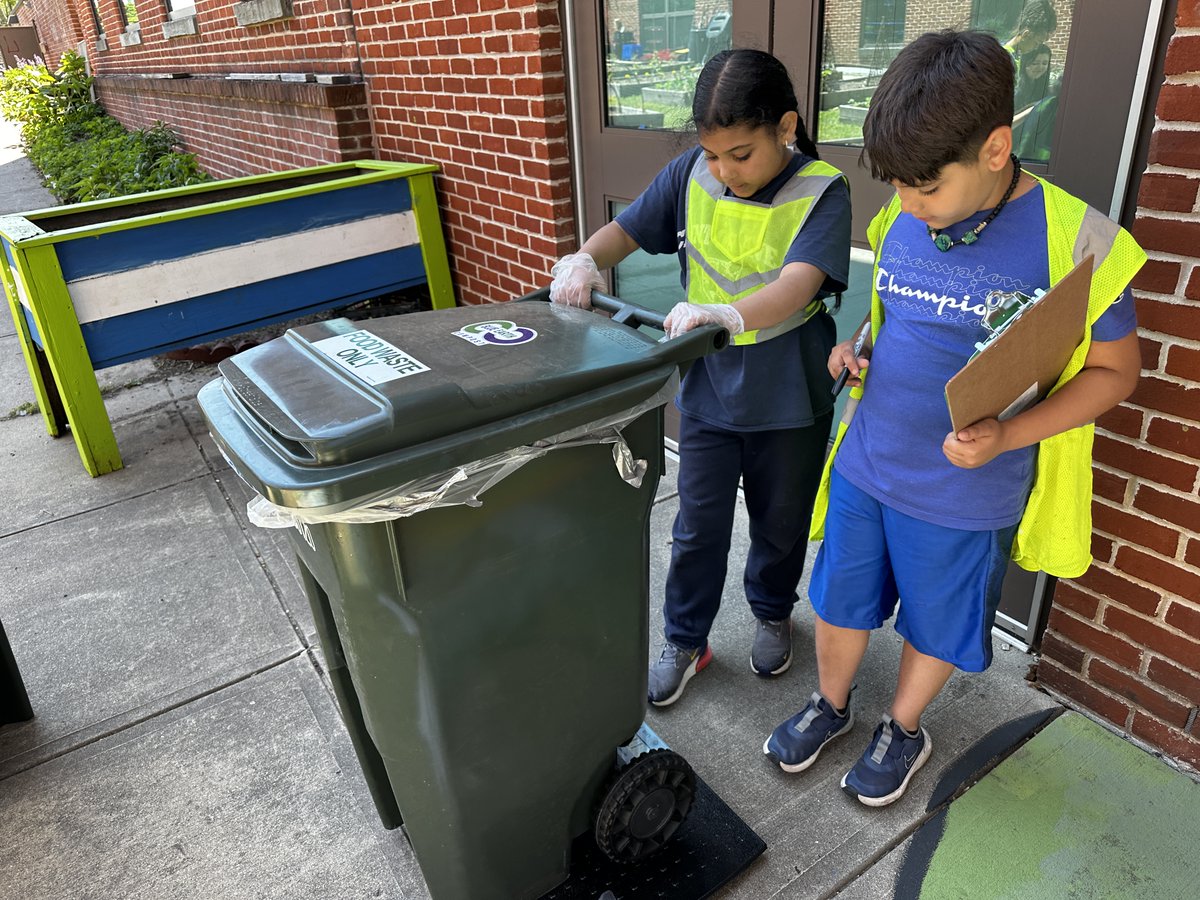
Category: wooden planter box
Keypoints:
(852, 115)
(844, 94)
(666, 97)
(635, 119)
(91, 285)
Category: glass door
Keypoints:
(637, 62)
(1077, 91)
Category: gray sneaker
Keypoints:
(772, 651)
(674, 669)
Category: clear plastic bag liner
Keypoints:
(464, 485)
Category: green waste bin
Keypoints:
(470, 494)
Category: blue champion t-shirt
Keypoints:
(780, 383)
(933, 306)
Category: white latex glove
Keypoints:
(575, 277)
(683, 317)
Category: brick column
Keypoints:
(1124, 640)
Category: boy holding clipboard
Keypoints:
(911, 509)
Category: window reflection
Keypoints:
(649, 280)
(654, 49)
(862, 37)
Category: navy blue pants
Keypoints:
(780, 471)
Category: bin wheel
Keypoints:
(644, 804)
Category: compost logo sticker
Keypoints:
(496, 333)
(369, 357)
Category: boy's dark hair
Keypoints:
(747, 87)
(936, 104)
(1037, 17)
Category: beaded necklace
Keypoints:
(944, 242)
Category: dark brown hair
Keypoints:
(1038, 17)
(747, 87)
(936, 104)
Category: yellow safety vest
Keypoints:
(1054, 534)
(736, 247)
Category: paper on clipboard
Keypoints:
(1018, 368)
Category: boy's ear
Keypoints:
(997, 148)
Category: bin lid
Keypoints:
(338, 392)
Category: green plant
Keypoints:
(25, 409)
(831, 129)
(97, 159)
(83, 153)
(23, 96)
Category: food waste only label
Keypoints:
(370, 358)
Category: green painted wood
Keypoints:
(1076, 812)
(372, 175)
(29, 350)
(18, 228)
(62, 339)
(433, 242)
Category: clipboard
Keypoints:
(1018, 367)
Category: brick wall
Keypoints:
(318, 38)
(932, 15)
(246, 127)
(477, 86)
(238, 127)
(1124, 640)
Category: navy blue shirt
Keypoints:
(779, 383)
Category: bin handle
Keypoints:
(687, 347)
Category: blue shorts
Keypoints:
(950, 579)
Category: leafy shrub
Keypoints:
(83, 153)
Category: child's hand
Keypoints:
(842, 357)
(683, 317)
(976, 444)
(575, 277)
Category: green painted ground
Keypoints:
(1076, 812)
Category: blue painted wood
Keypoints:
(134, 248)
(33, 332)
(199, 320)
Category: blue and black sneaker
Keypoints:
(797, 743)
(882, 774)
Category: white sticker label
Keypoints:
(370, 358)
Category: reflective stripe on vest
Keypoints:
(736, 247)
(1054, 534)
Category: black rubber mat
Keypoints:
(711, 846)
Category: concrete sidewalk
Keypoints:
(186, 742)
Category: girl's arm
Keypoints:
(609, 246)
(576, 275)
(795, 288)
(1109, 375)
